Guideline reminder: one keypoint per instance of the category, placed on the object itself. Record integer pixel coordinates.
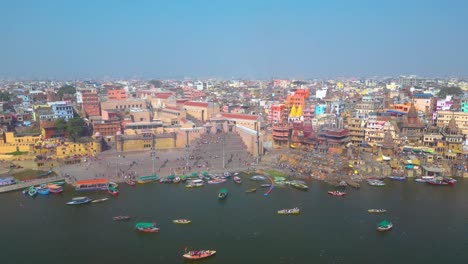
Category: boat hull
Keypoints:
(199, 254)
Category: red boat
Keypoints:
(113, 191)
(437, 182)
(199, 254)
(337, 193)
(130, 182)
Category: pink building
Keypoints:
(275, 113)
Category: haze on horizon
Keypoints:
(251, 39)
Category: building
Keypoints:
(356, 128)
(90, 102)
(297, 99)
(116, 94)
(424, 102)
(16, 142)
(43, 114)
(275, 114)
(124, 104)
(62, 109)
(107, 129)
(412, 128)
(464, 106)
(202, 111)
(253, 122)
(453, 139)
(461, 119)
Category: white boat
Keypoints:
(258, 178)
(428, 178)
(100, 200)
(80, 200)
(377, 183)
(420, 180)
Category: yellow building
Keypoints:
(23, 143)
(461, 120)
(202, 111)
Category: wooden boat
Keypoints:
(251, 190)
(216, 181)
(377, 211)
(336, 193)
(266, 185)
(450, 180)
(147, 179)
(397, 178)
(147, 227)
(113, 191)
(43, 191)
(299, 186)
(194, 185)
(130, 182)
(113, 185)
(182, 221)
(428, 177)
(223, 193)
(377, 183)
(227, 175)
(438, 182)
(57, 183)
(384, 226)
(55, 189)
(258, 178)
(289, 211)
(80, 200)
(32, 191)
(121, 218)
(420, 180)
(100, 200)
(237, 179)
(176, 180)
(199, 254)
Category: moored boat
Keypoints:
(113, 185)
(32, 191)
(428, 177)
(147, 179)
(199, 254)
(195, 184)
(289, 211)
(223, 193)
(397, 178)
(258, 178)
(251, 190)
(336, 193)
(216, 181)
(43, 191)
(377, 183)
(299, 186)
(130, 182)
(237, 179)
(266, 185)
(227, 174)
(438, 182)
(113, 191)
(181, 221)
(377, 211)
(80, 200)
(147, 227)
(100, 200)
(55, 189)
(420, 180)
(384, 226)
(450, 180)
(176, 180)
(121, 218)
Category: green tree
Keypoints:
(75, 127)
(66, 89)
(156, 83)
(449, 91)
(5, 96)
(61, 124)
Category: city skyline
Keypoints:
(264, 39)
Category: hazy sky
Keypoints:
(238, 38)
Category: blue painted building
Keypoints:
(320, 109)
(62, 109)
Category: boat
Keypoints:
(266, 185)
(55, 189)
(236, 173)
(59, 183)
(194, 185)
(100, 200)
(182, 221)
(113, 184)
(42, 191)
(223, 193)
(258, 178)
(25, 191)
(428, 178)
(121, 218)
(176, 180)
(199, 254)
(337, 193)
(237, 179)
(216, 181)
(146, 227)
(299, 186)
(113, 191)
(227, 175)
(289, 211)
(420, 180)
(80, 200)
(32, 191)
(130, 182)
(377, 211)
(384, 226)
(377, 183)
(251, 190)
(450, 180)
(397, 178)
(438, 182)
(147, 179)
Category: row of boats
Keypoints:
(432, 180)
(45, 189)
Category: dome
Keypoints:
(97, 134)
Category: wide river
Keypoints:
(430, 225)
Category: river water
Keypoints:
(430, 225)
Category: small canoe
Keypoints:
(182, 221)
(121, 218)
(100, 200)
(42, 191)
(223, 193)
(251, 190)
(199, 254)
(79, 200)
(258, 178)
(56, 190)
(59, 183)
(237, 179)
(336, 193)
(377, 211)
(147, 227)
(299, 186)
(384, 226)
(266, 185)
(289, 211)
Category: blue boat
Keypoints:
(42, 191)
(397, 178)
(80, 200)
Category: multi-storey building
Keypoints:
(464, 106)
(124, 104)
(62, 109)
(116, 94)
(356, 127)
(412, 128)
(89, 100)
(461, 119)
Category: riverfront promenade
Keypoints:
(24, 185)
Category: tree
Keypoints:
(156, 83)
(60, 124)
(449, 91)
(5, 96)
(75, 127)
(66, 89)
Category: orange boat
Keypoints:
(199, 254)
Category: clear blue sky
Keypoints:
(238, 38)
